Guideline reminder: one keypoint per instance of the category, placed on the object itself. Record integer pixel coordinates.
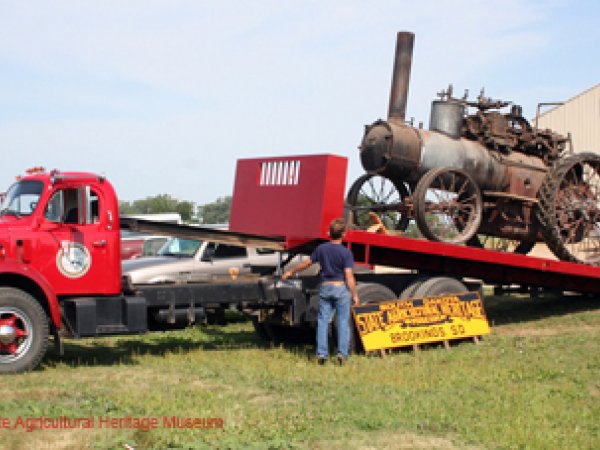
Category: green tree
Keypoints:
(216, 212)
(162, 203)
(186, 210)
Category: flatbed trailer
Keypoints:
(63, 278)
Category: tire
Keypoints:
(439, 286)
(367, 293)
(260, 329)
(411, 288)
(21, 313)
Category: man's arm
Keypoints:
(351, 283)
(299, 268)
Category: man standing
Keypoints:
(337, 286)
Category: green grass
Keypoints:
(533, 383)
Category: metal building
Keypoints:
(579, 116)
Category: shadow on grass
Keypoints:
(503, 310)
(111, 350)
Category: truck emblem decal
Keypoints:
(73, 259)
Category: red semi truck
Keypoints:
(60, 267)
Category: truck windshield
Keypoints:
(179, 247)
(22, 198)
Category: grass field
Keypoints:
(533, 383)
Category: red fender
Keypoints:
(12, 267)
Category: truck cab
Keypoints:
(65, 228)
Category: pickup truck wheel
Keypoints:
(23, 331)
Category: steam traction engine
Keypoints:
(478, 176)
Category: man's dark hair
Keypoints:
(337, 228)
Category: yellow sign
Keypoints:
(419, 321)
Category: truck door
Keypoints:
(81, 242)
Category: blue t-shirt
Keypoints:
(333, 258)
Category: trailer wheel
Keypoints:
(260, 329)
(23, 331)
(367, 293)
(569, 209)
(448, 205)
(439, 286)
(409, 291)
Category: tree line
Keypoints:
(210, 213)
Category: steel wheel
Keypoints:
(448, 205)
(378, 194)
(500, 244)
(569, 209)
(23, 331)
(16, 334)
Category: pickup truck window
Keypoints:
(179, 247)
(221, 251)
(22, 198)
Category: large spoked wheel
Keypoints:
(569, 209)
(500, 244)
(378, 194)
(448, 205)
(23, 331)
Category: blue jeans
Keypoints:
(332, 297)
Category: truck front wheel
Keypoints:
(23, 331)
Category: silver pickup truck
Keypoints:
(186, 261)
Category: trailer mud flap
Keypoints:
(296, 299)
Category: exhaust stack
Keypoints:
(401, 77)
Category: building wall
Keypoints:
(581, 117)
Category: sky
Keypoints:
(162, 97)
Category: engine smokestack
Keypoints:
(401, 77)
